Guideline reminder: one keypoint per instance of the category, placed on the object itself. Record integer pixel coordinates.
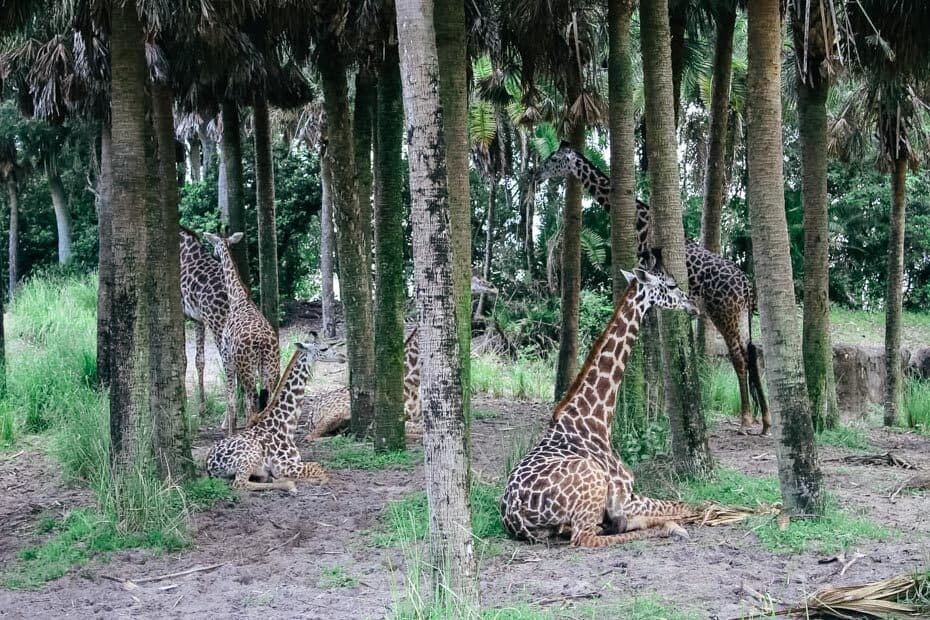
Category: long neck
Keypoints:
(283, 410)
(235, 289)
(411, 353)
(588, 407)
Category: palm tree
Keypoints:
(231, 161)
(441, 385)
(264, 203)
(799, 473)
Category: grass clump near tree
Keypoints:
(835, 531)
(523, 379)
(844, 437)
(916, 403)
(345, 453)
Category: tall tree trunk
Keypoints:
(798, 471)
(442, 389)
(327, 297)
(715, 176)
(527, 203)
(453, 96)
(894, 296)
(172, 440)
(817, 350)
(104, 256)
(677, 26)
(207, 147)
(232, 162)
(571, 267)
(682, 383)
(488, 240)
(194, 155)
(366, 97)
(264, 201)
(222, 190)
(389, 256)
(13, 247)
(352, 240)
(62, 216)
(623, 240)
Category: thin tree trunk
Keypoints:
(328, 298)
(104, 256)
(677, 26)
(264, 201)
(366, 96)
(442, 387)
(171, 437)
(488, 240)
(389, 255)
(817, 350)
(682, 383)
(62, 216)
(895, 294)
(13, 247)
(194, 155)
(571, 271)
(352, 240)
(715, 175)
(453, 96)
(207, 147)
(798, 471)
(222, 190)
(232, 162)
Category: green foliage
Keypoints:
(863, 327)
(484, 414)
(335, 577)
(720, 388)
(917, 404)
(834, 531)
(638, 440)
(523, 379)
(204, 493)
(844, 437)
(345, 453)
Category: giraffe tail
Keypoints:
(262, 399)
(755, 377)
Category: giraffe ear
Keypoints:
(236, 238)
(629, 276)
(643, 276)
(301, 346)
(211, 238)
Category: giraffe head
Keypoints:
(318, 350)
(656, 287)
(480, 286)
(221, 244)
(560, 163)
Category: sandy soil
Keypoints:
(273, 547)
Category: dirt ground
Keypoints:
(273, 548)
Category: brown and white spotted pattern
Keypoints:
(203, 295)
(248, 345)
(725, 292)
(573, 483)
(328, 412)
(266, 450)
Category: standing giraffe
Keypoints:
(328, 412)
(266, 450)
(573, 482)
(725, 291)
(248, 345)
(203, 295)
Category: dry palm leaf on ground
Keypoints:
(713, 514)
(889, 459)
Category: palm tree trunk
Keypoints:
(817, 350)
(488, 240)
(13, 247)
(715, 176)
(895, 293)
(677, 26)
(389, 256)
(682, 385)
(194, 155)
(104, 256)
(327, 297)
(571, 271)
(352, 240)
(222, 190)
(453, 95)
(264, 201)
(207, 147)
(232, 163)
(798, 471)
(62, 216)
(171, 434)
(442, 389)
(366, 96)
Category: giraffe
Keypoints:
(248, 345)
(203, 295)
(723, 289)
(572, 481)
(328, 412)
(266, 450)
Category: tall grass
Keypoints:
(719, 388)
(917, 404)
(529, 379)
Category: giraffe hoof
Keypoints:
(676, 531)
(743, 430)
(291, 487)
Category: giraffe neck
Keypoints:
(597, 184)
(235, 289)
(283, 410)
(588, 407)
(411, 353)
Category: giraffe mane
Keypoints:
(273, 401)
(246, 289)
(189, 231)
(410, 336)
(595, 348)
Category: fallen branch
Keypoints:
(568, 597)
(919, 481)
(887, 459)
(284, 544)
(879, 599)
(712, 515)
(190, 571)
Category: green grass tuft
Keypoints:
(720, 389)
(524, 379)
(917, 404)
(334, 577)
(834, 531)
(484, 414)
(844, 437)
(204, 493)
(345, 453)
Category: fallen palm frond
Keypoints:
(713, 514)
(879, 599)
(919, 481)
(889, 459)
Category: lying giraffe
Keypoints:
(328, 412)
(725, 291)
(248, 345)
(266, 450)
(203, 295)
(573, 482)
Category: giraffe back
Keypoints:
(203, 292)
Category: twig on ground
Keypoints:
(919, 481)
(567, 597)
(889, 459)
(284, 544)
(196, 569)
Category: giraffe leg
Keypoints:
(291, 466)
(738, 359)
(201, 332)
(232, 405)
(247, 485)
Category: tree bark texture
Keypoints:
(353, 242)
(441, 384)
(62, 216)
(488, 240)
(389, 257)
(13, 246)
(894, 296)
(366, 98)
(235, 207)
(328, 298)
(104, 256)
(816, 346)
(264, 201)
(194, 155)
(207, 147)
(677, 26)
(798, 470)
